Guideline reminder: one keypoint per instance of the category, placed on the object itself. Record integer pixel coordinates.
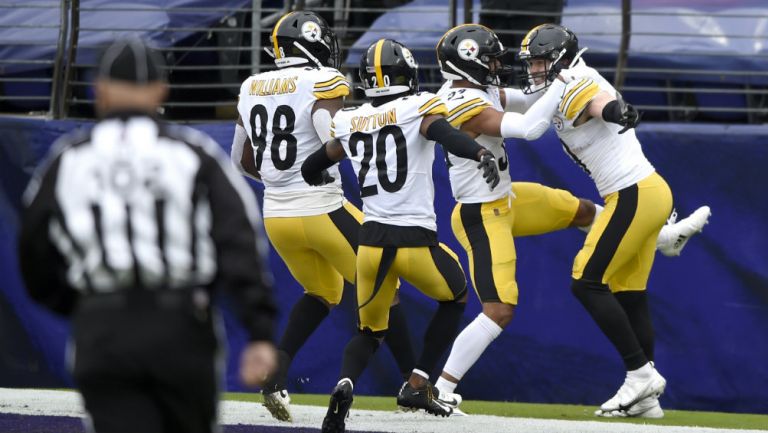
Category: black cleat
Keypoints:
(338, 407)
(422, 398)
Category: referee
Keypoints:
(129, 229)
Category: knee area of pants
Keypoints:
(378, 335)
(581, 288)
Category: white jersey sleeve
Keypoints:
(613, 161)
(467, 182)
(393, 161)
(276, 108)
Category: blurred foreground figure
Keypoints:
(128, 229)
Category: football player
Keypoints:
(486, 222)
(285, 115)
(390, 141)
(610, 272)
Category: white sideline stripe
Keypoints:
(68, 403)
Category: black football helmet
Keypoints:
(388, 68)
(550, 42)
(472, 52)
(304, 37)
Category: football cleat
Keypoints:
(677, 233)
(410, 398)
(633, 390)
(279, 405)
(648, 407)
(338, 408)
(449, 399)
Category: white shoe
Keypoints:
(648, 407)
(634, 390)
(453, 400)
(679, 232)
(279, 405)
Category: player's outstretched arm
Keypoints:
(436, 128)
(613, 109)
(528, 126)
(242, 153)
(315, 167)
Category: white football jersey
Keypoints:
(392, 159)
(276, 108)
(613, 161)
(467, 182)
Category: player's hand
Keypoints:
(490, 168)
(322, 178)
(630, 117)
(568, 75)
(257, 362)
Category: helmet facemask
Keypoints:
(534, 81)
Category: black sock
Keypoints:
(612, 320)
(440, 334)
(399, 341)
(357, 354)
(635, 304)
(277, 380)
(306, 316)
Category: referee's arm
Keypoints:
(42, 266)
(240, 247)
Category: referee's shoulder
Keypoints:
(197, 140)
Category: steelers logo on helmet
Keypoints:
(408, 57)
(468, 49)
(558, 122)
(311, 31)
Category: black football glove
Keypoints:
(630, 117)
(320, 179)
(490, 169)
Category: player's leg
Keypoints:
(339, 247)
(323, 287)
(436, 272)
(675, 234)
(631, 217)
(539, 209)
(485, 232)
(376, 283)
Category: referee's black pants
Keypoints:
(144, 368)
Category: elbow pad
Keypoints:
(321, 118)
(515, 125)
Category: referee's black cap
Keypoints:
(132, 61)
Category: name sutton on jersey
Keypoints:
(374, 121)
(273, 86)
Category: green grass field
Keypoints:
(545, 411)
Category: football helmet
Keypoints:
(304, 37)
(388, 68)
(472, 52)
(554, 44)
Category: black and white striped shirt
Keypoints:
(135, 203)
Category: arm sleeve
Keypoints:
(241, 249)
(536, 120)
(315, 164)
(453, 140)
(518, 102)
(42, 266)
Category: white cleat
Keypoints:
(634, 390)
(648, 407)
(453, 400)
(677, 233)
(279, 405)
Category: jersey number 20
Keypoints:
(279, 135)
(401, 153)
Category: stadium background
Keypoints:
(697, 68)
